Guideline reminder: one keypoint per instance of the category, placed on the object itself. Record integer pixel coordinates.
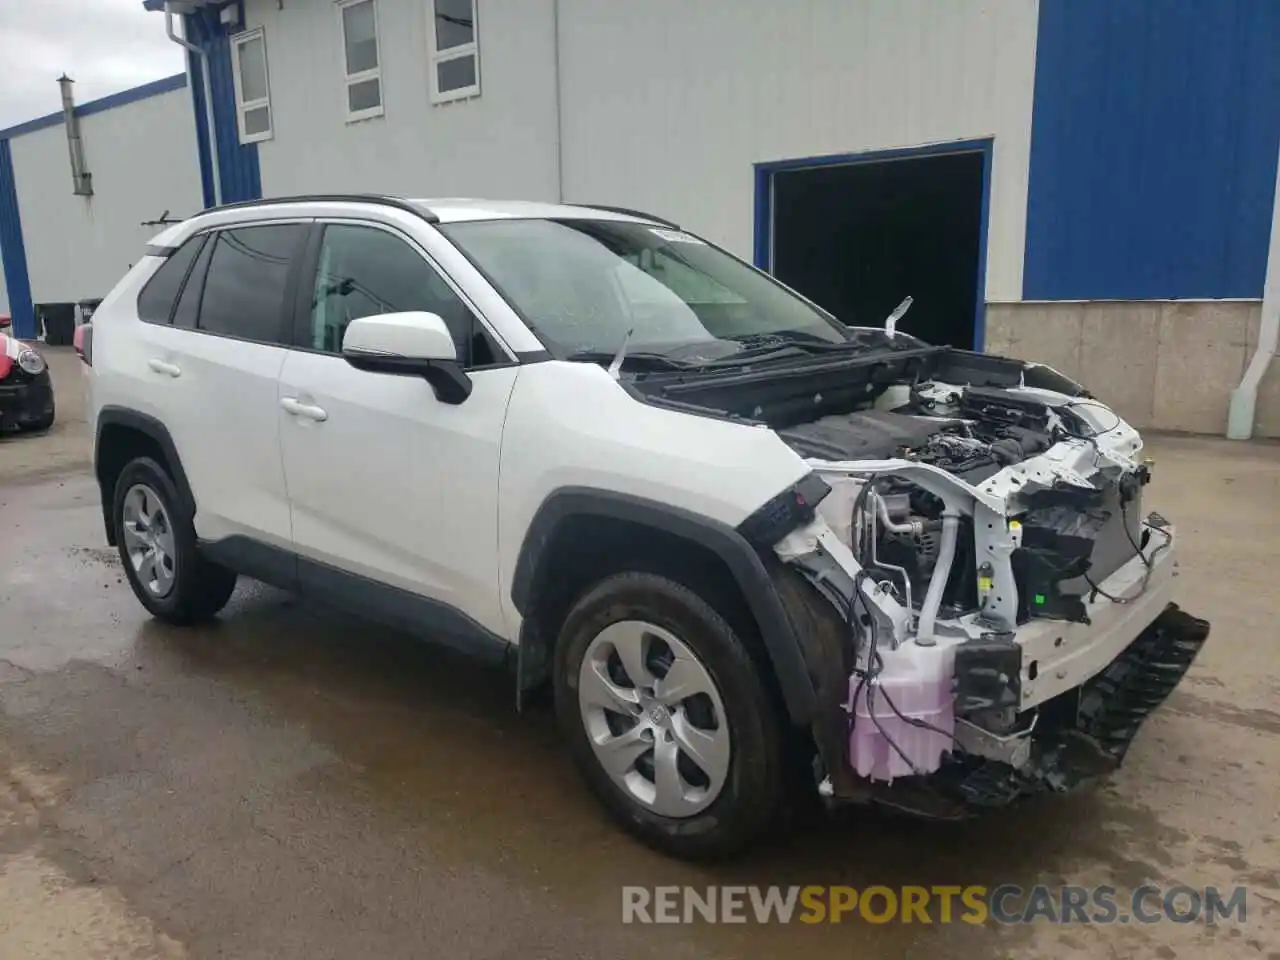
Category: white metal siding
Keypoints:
(143, 159)
(501, 143)
(667, 104)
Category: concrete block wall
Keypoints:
(1170, 364)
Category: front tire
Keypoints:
(157, 544)
(667, 717)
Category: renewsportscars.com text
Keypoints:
(1005, 904)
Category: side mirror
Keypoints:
(414, 343)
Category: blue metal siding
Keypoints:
(237, 163)
(12, 250)
(1153, 149)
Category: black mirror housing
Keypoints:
(448, 380)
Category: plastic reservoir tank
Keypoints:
(918, 681)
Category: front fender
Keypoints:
(534, 569)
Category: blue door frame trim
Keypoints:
(239, 174)
(763, 240)
(13, 252)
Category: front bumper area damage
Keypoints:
(1088, 734)
(1016, 653)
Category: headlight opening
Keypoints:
(31, 361)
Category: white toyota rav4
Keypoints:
(747, 546)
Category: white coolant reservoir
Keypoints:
(917, 681)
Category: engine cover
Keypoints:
(862, 435)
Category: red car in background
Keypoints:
(26, 390)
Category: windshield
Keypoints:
(584, 284)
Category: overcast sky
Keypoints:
(104, 45)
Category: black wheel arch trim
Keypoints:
(148, 425)
(744, 563)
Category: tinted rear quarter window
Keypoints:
(184, 315)
(244, 288)
(155, 302)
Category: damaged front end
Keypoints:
(998, 617)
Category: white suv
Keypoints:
(747, 546)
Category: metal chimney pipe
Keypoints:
(81, 179)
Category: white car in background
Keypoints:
(745, 544)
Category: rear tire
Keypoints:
(696, 776)
(157, 544)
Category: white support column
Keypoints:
(1244, 399)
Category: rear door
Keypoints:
(216, 365)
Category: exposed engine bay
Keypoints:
(1000, 603)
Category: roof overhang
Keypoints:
(183, 6)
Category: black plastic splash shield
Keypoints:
(1112, 707)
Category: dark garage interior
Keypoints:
(857, 238)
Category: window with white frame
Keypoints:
(455, 53)
(253, 91)
(362, 64)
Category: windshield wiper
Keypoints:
(859, 341)
(633, 358)
(773, 351)
(758, 345)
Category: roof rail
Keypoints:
(628, 212)
(398, 202)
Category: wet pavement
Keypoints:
(293, 783)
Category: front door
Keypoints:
(385, 481)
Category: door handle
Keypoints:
(296, 408)
(162, 366)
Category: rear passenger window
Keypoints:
(155, 302)
(244, 289)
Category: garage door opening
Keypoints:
(857, 235)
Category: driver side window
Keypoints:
(364, 271)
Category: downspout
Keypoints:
(1244, 399)
(555, 59)
(208, 100)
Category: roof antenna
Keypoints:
(163, 221)
(621, 355)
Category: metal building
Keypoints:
(1090, 183)
(137, 151)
